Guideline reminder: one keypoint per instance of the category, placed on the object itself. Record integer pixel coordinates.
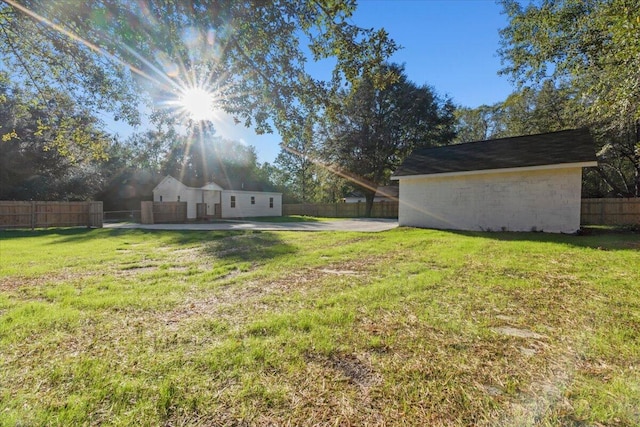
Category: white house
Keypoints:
(526, 183)
(386, 193)
(212, 200)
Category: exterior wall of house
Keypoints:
(533, 200)
(168, 190)
(210, 197)
(245, 209)
(172, 190)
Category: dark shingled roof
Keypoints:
(568, 146)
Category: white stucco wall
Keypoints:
(211, 198)
(172, 190)
(169, 189)
(244, 208)
(542, 200)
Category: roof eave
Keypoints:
(503, 170)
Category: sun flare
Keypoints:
(198, 103)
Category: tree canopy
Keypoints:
(592, 43)
(525, 112)
(591, 46)
(250, 55)
(377, 128)
(44, 150)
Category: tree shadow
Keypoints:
(249, 246)
(285, 219)
(237, 245)
(601, 239)
(67, 234)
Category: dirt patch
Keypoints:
(138, 268)
(515, 332)
(339, 272)
(184, 255)
(506, 318)
(252, 294)
(352, 267)
(17, 282)
(541, 397)
(348, 367)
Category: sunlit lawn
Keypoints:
(415, 327)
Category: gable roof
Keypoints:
(224, 184)
(211, 186)
(564, 147)
(388, 191)
(168, 180)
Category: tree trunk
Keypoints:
(369, 195)
(636, 160)
(617, 190)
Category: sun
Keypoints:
(198, 103)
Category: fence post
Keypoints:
(95, 214)
(146, 212)
(33, 215)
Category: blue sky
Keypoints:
(450, 45)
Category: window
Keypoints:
(178, 198)
(253, 200)
(160, 198)
(233, 201)
(271, 202)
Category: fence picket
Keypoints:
(593, 211)
(623, 211)
(37, 214)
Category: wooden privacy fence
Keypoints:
(342, 210)
(50, 214)
(610, 211)
(594, 211)
(163, 212)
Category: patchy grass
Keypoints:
(419, 327)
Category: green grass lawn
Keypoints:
(414, 327)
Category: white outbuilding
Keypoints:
(214, 201)
(525, 183)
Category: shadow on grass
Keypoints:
(247, 245)
(278, 219)
(79, 235)
(602, 239)
(73, 233)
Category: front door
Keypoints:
(201, 210)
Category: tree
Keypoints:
(593, 46)
(378, 128)
(249, 55)
(298, 160)
(134, 167)
(200, 158)
(297, 172)
(528, 111)
(43, 149)
(477, 124)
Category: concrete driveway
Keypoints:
(346, 224)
